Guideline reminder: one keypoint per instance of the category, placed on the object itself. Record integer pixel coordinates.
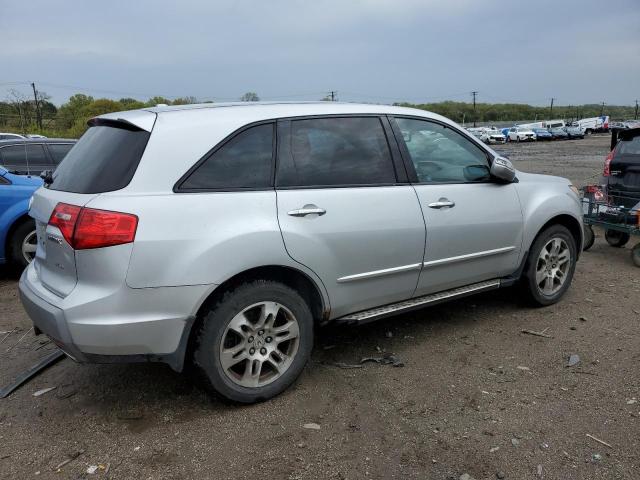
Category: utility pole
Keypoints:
(332, 95)
(38, 114)
(602, 110)
(551, 109)
(636, 116)
(474, 93)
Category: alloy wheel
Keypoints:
(29, 245)
(259, 344)
(553, 266)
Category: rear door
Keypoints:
(474, 225)
(103, 160)
(624, 181)
(345, 212)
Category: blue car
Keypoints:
(18, 239)
(543, 134)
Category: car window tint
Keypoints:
(103, 160)
(242, 162)
(629, 147)
(13, 157)
(440, 154)
(59, 150)
(337, 151)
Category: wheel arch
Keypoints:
(292, 277)
(13, 226)
(570, 223)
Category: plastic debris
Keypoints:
(311, 426)
(43, 391)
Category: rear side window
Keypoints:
(245, 161)
(629, 147)
(336, 151)
(58, 151)
(18, 157)
(104, 159)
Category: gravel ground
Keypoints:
(475, 395)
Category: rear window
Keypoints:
(104, 159)
(59, 150)
(629, 147)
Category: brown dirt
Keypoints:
(472, 386)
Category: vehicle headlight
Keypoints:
(574, 189)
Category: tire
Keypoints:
(518, 139)
(616, 239)
(588, 131)
(542, 283)
(635, 255)
(249, 308)
(22, 239)
(589, 238)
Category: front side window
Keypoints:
(441, 155)
(242, 162)
(336, 151)
(20, 157)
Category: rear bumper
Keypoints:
(125, 325)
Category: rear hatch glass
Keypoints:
(624, 182)
(104, 159)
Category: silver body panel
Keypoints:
(367, 247)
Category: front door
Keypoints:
(344, 214)
(474, 225)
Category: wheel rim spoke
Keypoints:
(553, 264)
(259, 344)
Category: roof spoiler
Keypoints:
(132, 120)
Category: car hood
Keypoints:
(538, 178)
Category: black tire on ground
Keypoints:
(589, 238)
(15, 242)
(635, 255)
(211, 333)
(530, 290)
(616, 239)
(518, 139)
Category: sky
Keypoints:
(380, 51)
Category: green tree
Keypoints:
(250, 97)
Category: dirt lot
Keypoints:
(475, 396)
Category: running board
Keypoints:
(377, 313)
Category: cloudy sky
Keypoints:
(578, 51)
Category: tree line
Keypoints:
(21, 114)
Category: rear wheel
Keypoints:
(550, 266)
(254, 342)
(616, 239)
(23, 243)
(589, 237)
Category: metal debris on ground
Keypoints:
(598, 440)
(537, 334)
(21, 338)
(574, 359)
(7, 335)
(45, 362)
(385, 359)
(43, 391)
(347, 366)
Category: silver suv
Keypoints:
(222, 235)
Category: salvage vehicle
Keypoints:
(558, 134)
(491, 137)
(593, 124)
(521, 134)
(542, 134)
(574, 132)
(32, 156)
(221, 235)
(17, 229)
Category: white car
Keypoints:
(519, 134)
(492, 136)
(10, 136)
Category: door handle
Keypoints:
(442, 203)
(307, 210)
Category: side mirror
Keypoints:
(502, 169)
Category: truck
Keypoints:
(593, 124)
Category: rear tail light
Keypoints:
(607, 164)
(85, 228)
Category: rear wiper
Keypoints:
(46, 176)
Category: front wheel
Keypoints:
(616, 239)
(550, 266)
(254, 342)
